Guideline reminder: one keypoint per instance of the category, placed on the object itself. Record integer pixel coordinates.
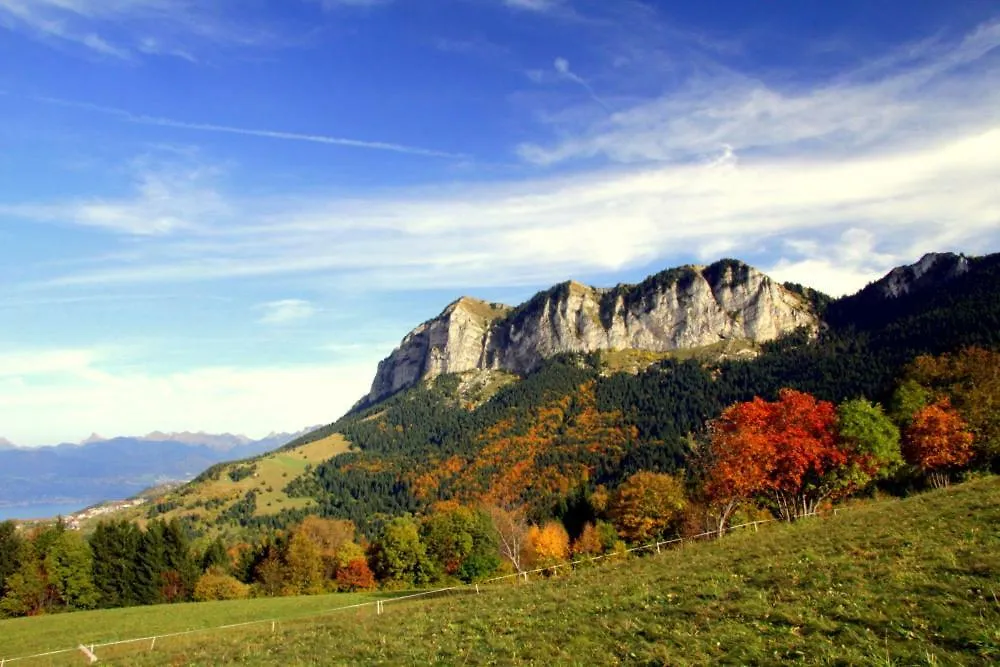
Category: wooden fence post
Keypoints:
(91, 658)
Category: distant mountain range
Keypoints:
(101, 469)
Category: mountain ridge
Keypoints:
(678, 308)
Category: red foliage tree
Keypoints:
(355, 576)
(783, 450)
(938, 442)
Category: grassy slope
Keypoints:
(274, 470)
(902, 582)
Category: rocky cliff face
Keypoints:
(687, 307)
(933, 268)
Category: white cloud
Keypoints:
(165, 199)
(286, 311)
(919, 94)
(910, 155)
(534, 5)
(90, 398)
(89, 22)
(335, 4)
(934, 197)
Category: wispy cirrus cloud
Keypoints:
(286, 311)
(910, 153)
(165, 199)
(123, 29)
(918, 92)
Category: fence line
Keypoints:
(380, 604)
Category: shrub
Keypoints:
(214, 585)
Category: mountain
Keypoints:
(110, 469)
(556, 416)
(7, 444)
(682, 308)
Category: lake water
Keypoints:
(41, 511)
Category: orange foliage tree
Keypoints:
(355, 576)
(783, 450)
(937, 442)
(548, 545)
(646, 505)
(970, 378)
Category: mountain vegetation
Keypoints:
(576, 458)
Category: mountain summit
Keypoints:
(680, 308)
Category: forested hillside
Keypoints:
(897, 390)
(574, 425)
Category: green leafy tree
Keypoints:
(399, 556)
(68, 567)
(907, 400)
(873, 443)
(462, 542)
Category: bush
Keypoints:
(214, 585)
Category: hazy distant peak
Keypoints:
(94, 437)
(216, 441)
(7, 444)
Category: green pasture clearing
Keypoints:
(911, 582)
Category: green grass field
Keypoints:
(272, 473)
(911, 582)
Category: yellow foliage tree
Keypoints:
(217, 585)
(304, 566)
(589, 542)
(548, 545)
(647, 505)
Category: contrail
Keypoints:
(249, 132)
(562, 67)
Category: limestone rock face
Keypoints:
(932, 268)
(691, 306)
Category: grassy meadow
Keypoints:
(207, 499)
(899, 582)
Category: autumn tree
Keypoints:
(217, 585)
(647, 505)
(783, 450)
(355, 576)
(547, 545)
(588, 543)
(511, 528)
(938, 442)
(303, 565)
(970, 379)
(331, 536)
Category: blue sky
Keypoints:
(219, 215)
